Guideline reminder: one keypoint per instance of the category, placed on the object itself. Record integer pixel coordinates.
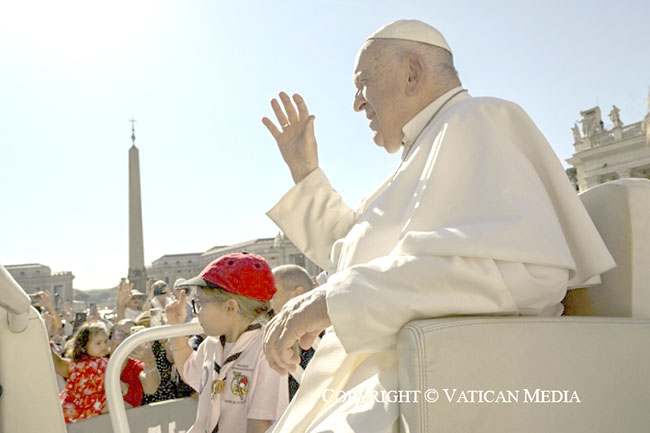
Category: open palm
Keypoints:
(295, 135)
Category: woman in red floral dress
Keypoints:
(83, 395)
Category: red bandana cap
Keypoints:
(245, 274)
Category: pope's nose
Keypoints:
(359, 102)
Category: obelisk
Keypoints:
(137, 272)
(646, 122)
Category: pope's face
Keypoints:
(376, 77)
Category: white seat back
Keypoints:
(602, 359)
(620, 211)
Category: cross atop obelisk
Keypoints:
(132, 120)
(137, 272)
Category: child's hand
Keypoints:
(176, 311)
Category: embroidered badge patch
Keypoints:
(239, 385)
(217, 386)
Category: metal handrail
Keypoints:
(116, 409)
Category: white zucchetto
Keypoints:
(411, 30)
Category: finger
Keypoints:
(289, 334)
(275, 132)
(289, 108)
(273, 361)
(280, 364)
(276, 367)
(303, 112)
(307, 340)
(310, 124)
(288, 356)
(267, 338)
(295, 355)
(282, 118)
(289, 359)
(272, 349)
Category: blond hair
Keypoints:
(248, 307)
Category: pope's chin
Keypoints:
(379, 141)
(377, 138)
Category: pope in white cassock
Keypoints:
(479, 218)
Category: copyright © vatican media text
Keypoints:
(453, 395)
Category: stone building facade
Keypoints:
(608, 153)
(170, 267)
(277, 251)
(34, 277)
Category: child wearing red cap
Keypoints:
(238, 391)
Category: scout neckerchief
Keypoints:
(217, 384)
(221, 370)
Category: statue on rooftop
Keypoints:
(614, 115)
(591, 122)
(577, 138)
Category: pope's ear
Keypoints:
(415, 71)
(298, 291)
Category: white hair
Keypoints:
(437, 60)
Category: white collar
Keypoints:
(416, 125)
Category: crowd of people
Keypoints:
(156, 371)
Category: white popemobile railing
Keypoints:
(116, 408)
(15, 301)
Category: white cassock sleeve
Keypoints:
(368, 304)
(329, 217)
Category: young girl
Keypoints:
(83, 395)
(238, 391)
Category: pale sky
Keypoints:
(198, 77)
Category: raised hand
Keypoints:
(124, 293)
(295, 135)
(176, 311)
(46, 300)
